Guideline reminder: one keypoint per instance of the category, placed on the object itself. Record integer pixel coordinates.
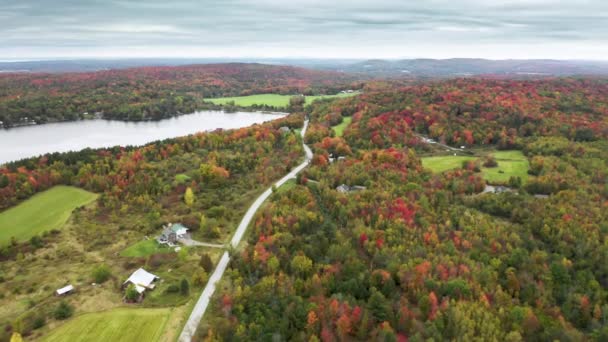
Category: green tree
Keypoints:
(379, 306)
(131, 294)
(184, 287)
(63, 311)
(101, 274)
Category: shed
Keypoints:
(64, 290)
(142, 280)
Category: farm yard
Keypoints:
(509, 164)
(273, 100)
(43, 212)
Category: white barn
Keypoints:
(142, 279)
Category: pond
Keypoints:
(30, 141)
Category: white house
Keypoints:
(142, 279)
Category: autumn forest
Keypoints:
(370, 242)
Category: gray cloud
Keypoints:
(315, 28)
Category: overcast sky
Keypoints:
(498, 29)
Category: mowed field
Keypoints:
(275, 100)
(114, 325)
(44, 211)
(510, 163)
(144, 248)
(339, 129)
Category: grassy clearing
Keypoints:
(144, 248)
(45, 211)
(287, 186)
(113, 325)
(510, 163)
(339, 129)
(274, 100)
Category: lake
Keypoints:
(30, 141)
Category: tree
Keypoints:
(3, 181)
(200, 277)
(131, 294)
(189, 197)
(16, 337)
(63, 311)
(184, 287)
(101, 274)
(206, 263)
(301, 265)
(379, 306)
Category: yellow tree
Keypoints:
(189, 197)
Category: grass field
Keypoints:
(275, 100)
(339, 129)
(44, 211)
(144, 248)
(113, 325)
(510, 163)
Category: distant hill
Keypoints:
(369, 68)
(469, 67)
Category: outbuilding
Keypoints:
(64, 290)
(142, 279)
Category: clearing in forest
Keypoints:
(274, 100)
(42, 212)
(510, 163)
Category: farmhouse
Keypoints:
(142, 279)
(172, 233)
(64, 290)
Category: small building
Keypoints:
(171, 233)
(64, 290)
(343, 188)
(284, 129)
(142, 279)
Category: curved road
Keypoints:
(203, 301)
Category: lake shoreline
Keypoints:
(32, 141)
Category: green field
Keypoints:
(339, 129)
(144, 248)
(510, 163)
(113, 325)
(44, 211)
(274, 100)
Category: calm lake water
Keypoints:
(30, 141)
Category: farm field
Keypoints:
(113, 325)
(510, 163)
(339, 129)
(274, 100)
(45, 211)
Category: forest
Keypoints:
(150, 93)
(412, 255)
(367, 243)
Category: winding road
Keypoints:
(203, 301)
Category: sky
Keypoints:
(354, 29)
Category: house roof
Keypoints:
(65, 290)
(177, 227)
(142, 279)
